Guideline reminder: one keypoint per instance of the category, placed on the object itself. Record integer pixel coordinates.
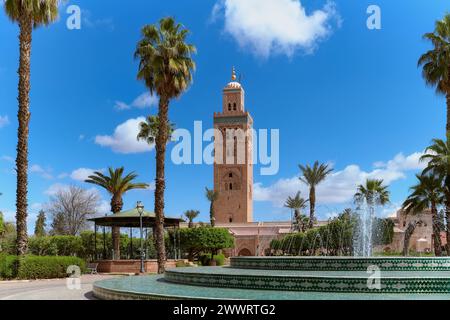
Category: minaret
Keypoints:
(233, 167)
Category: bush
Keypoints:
(35, 267)
(205, 259)
(8, 265)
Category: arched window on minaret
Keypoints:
(234, 106)
(231, 186)
(229, 107)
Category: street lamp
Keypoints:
(140, 210)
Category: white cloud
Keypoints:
(124, 138)
(103, 207)
(55, 188)
(7, 159)
(44, 173)
(82, 174)
(4, 121)
(275, 26)
(143, 101)
(340, 186)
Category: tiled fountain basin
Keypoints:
(342, 263)
(156, 288)
(311, 281)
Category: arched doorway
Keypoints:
(244, 253)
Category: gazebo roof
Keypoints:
(131, 219)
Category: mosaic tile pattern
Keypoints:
(390, 283)
(342, 263)
(155, 288)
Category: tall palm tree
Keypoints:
(117, 185)
(148, 129)
(166, 66)
(297, 203)
(436, 62)
(428, 193)
(28, 14)
(373, 192)
(191, 215)
(212, 196)
(438, 157)
(312, 176)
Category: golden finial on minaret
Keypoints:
(233, 75)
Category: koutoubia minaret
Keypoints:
(233, 167)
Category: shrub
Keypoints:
(205, 259)
(8, 266)
(34, 267)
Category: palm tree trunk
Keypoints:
(211, 214)
(436, 231)
(448, 114)
(447, 214)
(116, 207)
(312, 206)
(26, 28)
(408, 233)
(161, 141)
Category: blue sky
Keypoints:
(337, 91)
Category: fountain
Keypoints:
(298, 277)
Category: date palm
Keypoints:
(148, 129)
(427, 194)
(436, 62)
(297, 203)
(28, 14)
(212, 196)
(191, 215)
(373, 193)
(312, 176)
(438, 157)
(117, 184)
(165, 66)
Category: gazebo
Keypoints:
(131, 219)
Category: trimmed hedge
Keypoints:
(35, 267)
(205, 259)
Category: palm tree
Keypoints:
(297, 203)
(117, 185)
(438, 157)
(428, 193)
(373, 193)
(436, 62)
(28, 14)
(191, 215)
(407, 237)
(212, 196)
(312, 176)
(166, 66)
(148, 129)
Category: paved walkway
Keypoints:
(55, 289)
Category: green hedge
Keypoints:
(35, 267)
(205, 259)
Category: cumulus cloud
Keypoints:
(55, 188)
(143, 101)
(82, 174)
(7, 159)
(44, 173)
(123, 140)
(4, 121)
(340, 186)
(276, 26)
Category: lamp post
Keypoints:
(140, 209)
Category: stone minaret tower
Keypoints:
(233, 167)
